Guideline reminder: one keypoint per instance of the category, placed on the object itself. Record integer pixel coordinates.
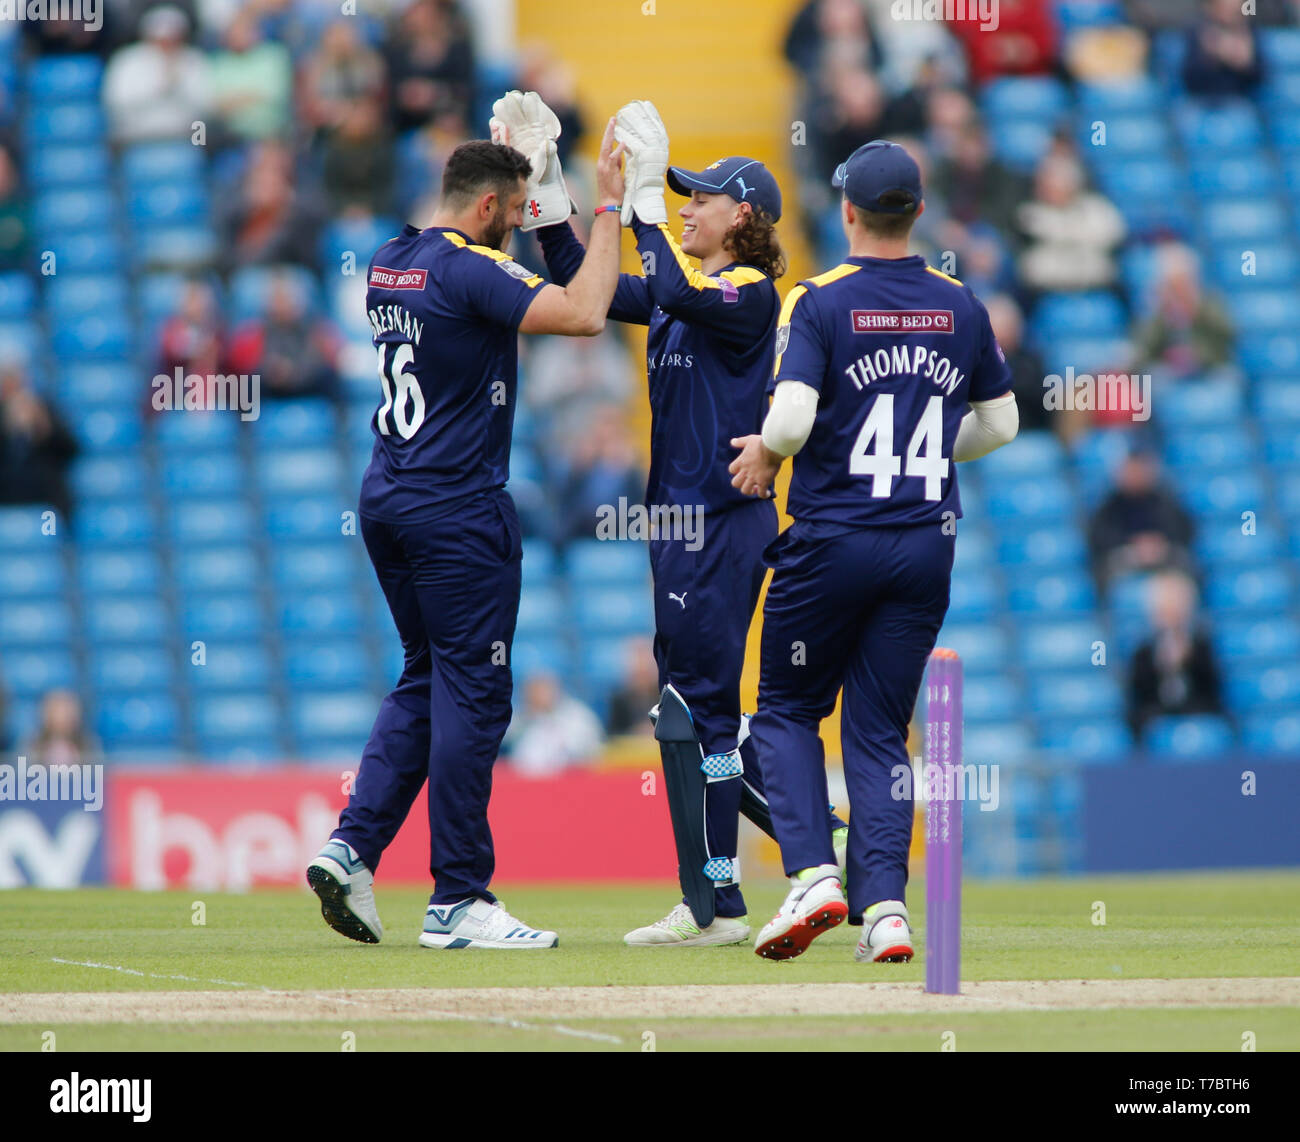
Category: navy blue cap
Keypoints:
(874, 169)
(746, 180)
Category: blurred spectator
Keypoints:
(430, 64)
(14, 223)
(1027, 371)
(974, 185)
(294, 352)
(949, 113)
(553, 731)
(358, 160)
(267, 218)
(822, 23)
(158, 88)
(915, 52)
(61, 737)
(1188, 331)
(340, 71)
(1070, 232)
(1025, 42)
(1110, 54)
(1156, 14)
(1223, 52)
(252, 82)
(554, 81)
(851, 113)
(637, 693)
(191, 338)
(420, 160)
(1174, 669)
(36, 447)
(599, 472)
(568, 380)
(1140, 525)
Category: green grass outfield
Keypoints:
(1200, 926)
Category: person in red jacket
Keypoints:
(1025, 41)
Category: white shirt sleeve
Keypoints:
(989, 425)
(790, 419)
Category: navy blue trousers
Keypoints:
(859, 610)
(699, 645)
(452, 583)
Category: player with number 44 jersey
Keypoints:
(886, 373)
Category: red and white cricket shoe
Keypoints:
(886, 934)
(814, 905)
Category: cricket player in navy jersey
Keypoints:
(445, 304)
(886, 372)
(710, 358)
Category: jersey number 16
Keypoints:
(393, 375)
(925, 459)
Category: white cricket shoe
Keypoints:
(475, 923)
(344, 884)
(678, 929)
(886, 934)
(814, 905)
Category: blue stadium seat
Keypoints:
(131, 571)
(296, 423)
(1225, 493)
(68, 166)
(1280, 48)
(1139, 95)
(592, 561)
(1254, 589)
(991, 698)
(322, 613)
(1273, 735)
(318, 517)
(251, 286)
(211, 522)
(1210, 449)
(1066, 592)
(1090, 314)
(93, 337)
(1020, 144)
(167, 204)
(1141, 181)
(32, 673)
(1265, 267)
(1256, 687)
(106, 429)
(229, 666)
(67, 211)
(1262, 311)
(148, 163)
(1215, 177)
(1046, 498)
(106, 383)
(1046, 645)
(344, 714)
(529, 656)
(1024, 97)
(177, 247)
(1277, 400)
(35, 574)
(1187, 738)
(1284, 133)
(1222, 541)
(1272, 638)
(318, 665)
(1043, 547)
(300, 471)
(112, 524)
(184, 435)
(1226, 128)
(1091, 693)
(1097, 741)
(134, 719)
(311, 567)
(602, 662)
(1202, 404)
(972, 600)
(539, 561)
(246, 716)
(974, 547)
(542, 610)
(216, 569)
(63, 123)
(118, 620)
(24, 345)
(43, 623)
(207, 474)
(1128, 136)
(997, 743)
(58, 77)
(1279, 353)
(232, 617)
(360, 237)
(1282, 448)
(610, 610)
(90, 252)
(983, 647)
(17, 297)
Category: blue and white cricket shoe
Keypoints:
(474, 923)
(344, 884)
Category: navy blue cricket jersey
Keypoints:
(709, 358)
(445, 315)
(896, 350)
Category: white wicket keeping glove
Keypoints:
(645, 139)
(523, 121)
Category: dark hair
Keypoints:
(754, 242)
(881, 225)
(478, 167)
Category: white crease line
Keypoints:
(499, 1020)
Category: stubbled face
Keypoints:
(507, 217)
(707, 219)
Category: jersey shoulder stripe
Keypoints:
(744, 275)
(831, 276)
(791, 300)
(946, 277)
(531, 280)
